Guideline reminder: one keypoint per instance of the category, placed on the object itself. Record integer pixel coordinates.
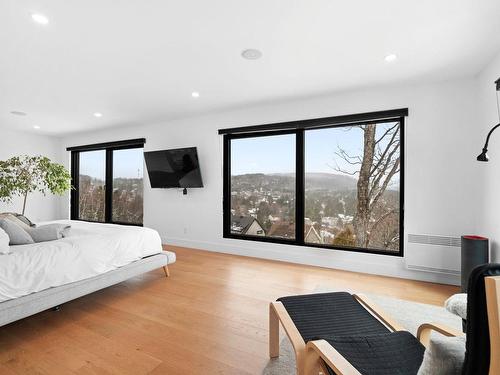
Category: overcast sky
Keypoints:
(276, 154)
(126, 163)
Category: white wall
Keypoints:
(442, 177)
(489, 190)
(14, 143)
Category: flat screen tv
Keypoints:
(176, 168)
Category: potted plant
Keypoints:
(21, 175)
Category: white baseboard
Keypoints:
(336, 259)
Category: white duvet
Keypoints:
(89, 250)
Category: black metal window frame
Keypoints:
(299, 128)
(109, 147)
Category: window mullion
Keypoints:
(108, 209)
(226, 200)
(299, 187)
(74, 194)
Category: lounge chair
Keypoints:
(348, 334)
(482, 355)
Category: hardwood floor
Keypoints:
(209, 317)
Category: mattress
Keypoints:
(89, 250)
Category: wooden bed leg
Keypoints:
(167, 272)
(274, 333)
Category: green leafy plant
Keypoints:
(21, 175)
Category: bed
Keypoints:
(93, 256)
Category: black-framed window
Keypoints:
(108, 182)
(333, 182)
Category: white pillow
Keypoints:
(457, 304)
(444, 356)
(4, 242)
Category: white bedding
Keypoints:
(89, 250)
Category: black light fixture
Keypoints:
(483, 156)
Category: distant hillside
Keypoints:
(119, 182)
(330, 181)
(286, 181)
(253, 181)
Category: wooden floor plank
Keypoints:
(209, 316)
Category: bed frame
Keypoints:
(33, 303)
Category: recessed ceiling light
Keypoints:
(195, 94)
(36, 127)
(97, 114)
(251, 54)
(390, 58)
(18, 113)
(40, 18)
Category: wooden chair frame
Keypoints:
(319, 352)
(278, 314)
(492, 285)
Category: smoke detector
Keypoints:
(251, 54)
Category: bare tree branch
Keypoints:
(389, 163)
(338, 169)
(387, 148)
(382, 218)
(348, 158)
(387, 132)
(386, 182)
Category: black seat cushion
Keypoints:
(395, 353)
(477, 353)
(330, 315)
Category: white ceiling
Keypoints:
(138, 61)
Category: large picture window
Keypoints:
(108, 182)
(330, 183)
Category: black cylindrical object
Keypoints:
(475, 251)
